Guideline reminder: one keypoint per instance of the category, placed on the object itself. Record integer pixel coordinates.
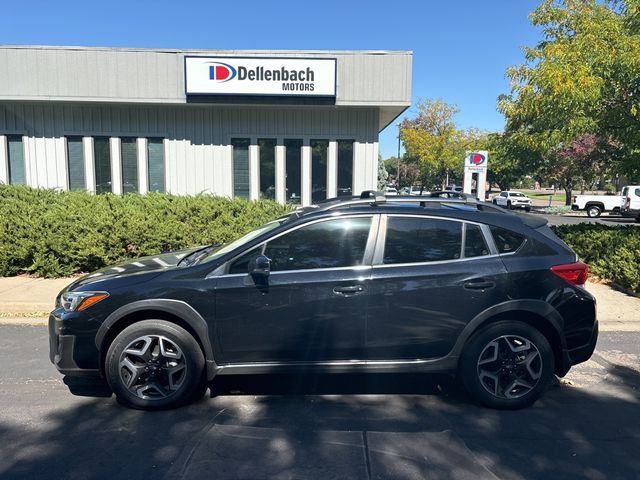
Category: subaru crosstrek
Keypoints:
(403, 284)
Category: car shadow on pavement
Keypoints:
(340, 426)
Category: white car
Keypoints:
(418, 190)
(512, 200)
(596, 204)
(390, 191)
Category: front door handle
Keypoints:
(349, 291)
(479, 284)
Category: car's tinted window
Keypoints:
(411, 240)
(474, 243)
(506, 240)
(241, 264)
(329, 244)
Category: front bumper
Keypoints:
(72, 354)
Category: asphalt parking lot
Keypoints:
(612, 220)
(404, 427)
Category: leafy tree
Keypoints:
(581, 83)
(433, 140)
(383, 175)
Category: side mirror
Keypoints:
(259, 269)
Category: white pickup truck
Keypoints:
(596, 204)
(631, 201)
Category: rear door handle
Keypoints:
(348, 291)
(479, 284)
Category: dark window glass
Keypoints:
(155, 164)
(267, 153)
(75, 163)
(241, 264)
(129, 161)
(16, 160)
(474, 243)
(240, 167)
(319, 149)
(345, 167)
(293, 158)
(637, 192)
(411, 240)
(506, 240)
(333, 243)
(102, 164)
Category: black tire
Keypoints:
(509, 206)
(495, 202)
(473, 374)
(638, 219)
(181, 349)
(527, 209)
(593, 211)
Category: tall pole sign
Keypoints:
(475, 173)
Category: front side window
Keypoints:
(329, 244)
(15, 151)
(129, 160)
(416, 240)
(102, 164)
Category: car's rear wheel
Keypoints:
(509, 206)
(507, 365)
(593, 211)
(155, 364)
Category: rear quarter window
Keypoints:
(506, 241)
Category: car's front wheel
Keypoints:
(507, 365)
(155, 364)
(593, 211)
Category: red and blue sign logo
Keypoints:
(477, 159)
(221, 72)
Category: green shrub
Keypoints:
(55, 234)
(612, 253)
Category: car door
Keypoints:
(430, 277)
(314, 307)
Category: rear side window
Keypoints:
(474, 243)
(413, 240)
(329, 244)
(506, 240)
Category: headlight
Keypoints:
(78, 301)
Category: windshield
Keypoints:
(516, 194)
(228, 247)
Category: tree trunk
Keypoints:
(568, 187)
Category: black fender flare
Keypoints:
(537, 307)
(178, 308)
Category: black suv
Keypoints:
(368, 284)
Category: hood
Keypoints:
(134, 269)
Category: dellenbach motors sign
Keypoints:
(260, 76)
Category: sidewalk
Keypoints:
(25, 300)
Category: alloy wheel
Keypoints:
(152, 367)
(509, 366)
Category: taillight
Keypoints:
(574, 273)
(627, 203)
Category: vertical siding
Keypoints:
(196, 147)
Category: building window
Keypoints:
(15, 151)
(75, 163)
(267, 155)
(155, 164)
(293, 161)
(102, 164)
(240, 148)
(129, 162)
(345, 167)
(319, 150)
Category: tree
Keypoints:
(382, 173)
(583, 78)
(433, 140)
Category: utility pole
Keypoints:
(398, 176)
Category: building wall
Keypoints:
(198, 157)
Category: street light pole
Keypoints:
(398, 177)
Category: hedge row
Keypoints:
(613, 253)
(54, 234)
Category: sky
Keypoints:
(461, 48)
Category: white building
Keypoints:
(290, 125)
